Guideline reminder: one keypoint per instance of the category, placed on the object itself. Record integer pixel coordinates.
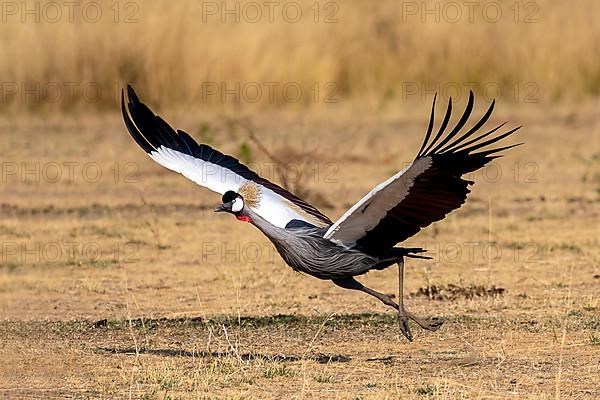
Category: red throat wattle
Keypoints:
(243, 218)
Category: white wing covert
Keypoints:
(179, 152)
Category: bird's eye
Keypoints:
(236, 206)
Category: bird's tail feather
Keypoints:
(411, 252)
(396, 254)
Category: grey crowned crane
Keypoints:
(363, 239)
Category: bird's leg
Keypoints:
(351, 283)
(404, 315)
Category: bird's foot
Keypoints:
(403, 318)
(432, 324)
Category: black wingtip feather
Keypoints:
(490, 153)
(471, 131)
(133, 129)
(429, 127)
(131, 95)
(442, 127)
(154, 129)
(490, 141)
(463, 120)
(447, 145)
(453, 147)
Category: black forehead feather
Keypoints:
(228, 196)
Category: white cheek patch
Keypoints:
(237, 205)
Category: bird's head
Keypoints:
(233, 203)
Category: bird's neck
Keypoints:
(262, 224)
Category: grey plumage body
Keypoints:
(306, 250)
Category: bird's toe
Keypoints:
(404, 326)
(435, 323)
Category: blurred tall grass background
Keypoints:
(370, 50)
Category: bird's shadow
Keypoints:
(321, 358)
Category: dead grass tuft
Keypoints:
(453, 292)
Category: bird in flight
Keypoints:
(364, 238)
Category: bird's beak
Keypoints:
(220, 208)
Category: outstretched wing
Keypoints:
(177, 151)
(428, 189)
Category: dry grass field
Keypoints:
(60, 58)
(118, 281)
(129, 286)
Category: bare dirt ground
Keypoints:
(126, 285)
